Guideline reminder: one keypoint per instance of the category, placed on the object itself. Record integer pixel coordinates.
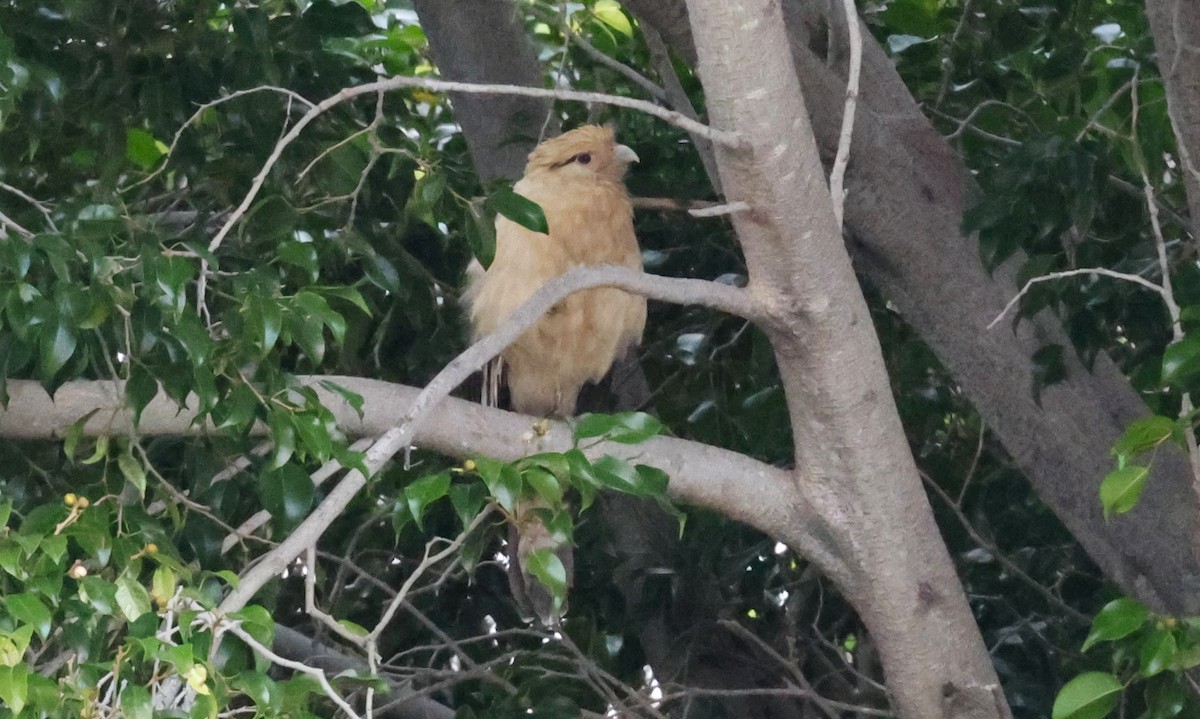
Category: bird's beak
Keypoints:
(626, 154)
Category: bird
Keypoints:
(578, 180)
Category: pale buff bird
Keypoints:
(576, 178)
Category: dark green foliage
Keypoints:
(349, 261)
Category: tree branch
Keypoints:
(700, 474)
(837, 175)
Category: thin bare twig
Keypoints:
(837, 176)
(266, 652)
(1104, 271)
(6, 221)
(612, 63)
(427, 561)
(1168, 294)
(1004, 561)
(37, 204)
(731, 208)
(789, 666)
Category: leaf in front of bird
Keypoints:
(521, 210)
(623, 427)
(481, 232)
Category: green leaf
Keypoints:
(1181, 361)
(236, 409)
(14, 687)
(309, 334)
(73, 435)
(100, 452)
(29, 609)
(142, 149)
(468, 501)
(283, 435)
(1143, 434)
(544, 484)
(140, 389)
(1158, 653)
(259, 687)
(57, 346)
(315, 433)
(625, 427)
(286, 492)
(502, 480)
(54, 547)
(424, 492)
(481, 232)
(1088, 696)
(13, 645)
(519, 209)
(357, 630)
(548, 569)
(1165, 699)
(353, 399)
(132, 598)
(349, 294)
(133, 471)
(265, 320)
(1121, 489)
(555, 463)
(618, 474)
(162, 586)
(609, 12)
(136, 703)
(1118, 619)
(381, 273)
(257, 621)
(302, 255)
(314, 305)
(98, 593)
(171, 275)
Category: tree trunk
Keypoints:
(907, 192)
(485, 41)
(853, 464)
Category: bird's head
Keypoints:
(590, 152)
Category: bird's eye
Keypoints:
(583, 158)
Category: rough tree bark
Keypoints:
(907, 192)
(853, 464)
